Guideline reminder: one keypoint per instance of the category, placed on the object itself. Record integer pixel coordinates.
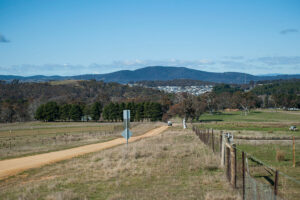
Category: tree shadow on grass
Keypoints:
(256, 112)
(211, 120)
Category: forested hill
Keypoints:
(157, 73)
(291, 87)
(18, 101)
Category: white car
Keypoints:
(169, 123)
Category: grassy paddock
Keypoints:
(253, 116)
(261, 123)
(173, 165)
(267, 154)
(22, 139)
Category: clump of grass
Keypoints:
(165, 148)
(211, 168)
(280, 155)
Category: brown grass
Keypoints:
(22, 140)
(174, 165)
(280, 155)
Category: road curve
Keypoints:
(14, 166)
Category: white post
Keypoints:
(184, 124)
(223, 151)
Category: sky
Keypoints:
(71, 37)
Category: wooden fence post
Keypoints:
(220, 147)
(233, 164)
(276, 184)
(222, 150)
(212, 140)
(228, 164)
(294, 152)
(243, 168)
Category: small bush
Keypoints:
(280, 155)
(137, 155)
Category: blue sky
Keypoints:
(69, 37)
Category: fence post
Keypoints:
(243, 168)
(233, 164)
(276, 184)
(212, 140)
(222, 150)
(220, 147)
(294, 150)
(228, 164)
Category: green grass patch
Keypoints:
(253, 116)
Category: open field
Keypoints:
(287, 188)
(254, 116)
(173, 165)
(263, 130)
(21, 139)
(267, 154)
(256, 123)
(14, 166)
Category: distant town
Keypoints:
(194, 89)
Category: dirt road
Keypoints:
(13, 166)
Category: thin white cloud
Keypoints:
(279, 60)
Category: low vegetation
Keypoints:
(173, 165)
(32, 138)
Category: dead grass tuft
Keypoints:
(280, 155)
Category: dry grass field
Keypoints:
(21, 139)
(172, 165)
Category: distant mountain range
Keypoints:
(157, 73)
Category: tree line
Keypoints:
(19, 101)
(70, 101)
(52, 111)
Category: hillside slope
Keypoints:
(157, 73)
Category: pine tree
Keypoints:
(155, 112)
(105, 113)
(64, 111)
(51, 111)
(96, 110)
(121, 108)
(146, 110)
(40, 113)
(76, 112)
(139, 112)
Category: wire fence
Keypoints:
(252, 178)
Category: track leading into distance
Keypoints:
(14, 166)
